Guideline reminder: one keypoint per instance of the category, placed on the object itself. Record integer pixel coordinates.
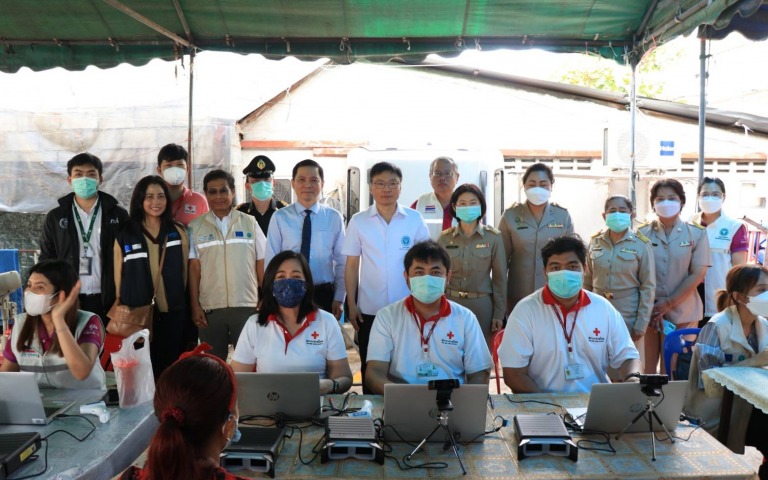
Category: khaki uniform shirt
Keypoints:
(675, 257)
(523, 240)
(478, 263)
(623, 273)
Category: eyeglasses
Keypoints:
(222, 191)
(445, 174)
(712, 195)
(381, 185)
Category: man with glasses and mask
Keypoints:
(314, 230)
(186, 205)
(562, 338)
(425, 336)
(226, 265)
(435, 206)
(376, 244)
(259, 186)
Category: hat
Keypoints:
(260, 167)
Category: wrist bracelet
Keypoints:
(335, 388)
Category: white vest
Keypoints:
(720, 235)
(430, 208)
(50, 369)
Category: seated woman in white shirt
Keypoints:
(54, 339)
(290, 334)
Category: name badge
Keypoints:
(451, 246)
(686, 244)
(522, 227)
(483, 245)
(426, 369)
(555, 225)
(628, 250)
(86, 263)
(136, 246)
(574, 372)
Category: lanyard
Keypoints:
(563, 323)
(424, 341)
(86, 236)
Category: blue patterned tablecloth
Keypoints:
(496, 458)
(109, 450)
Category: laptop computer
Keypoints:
(296, 396)
(411, 411)
(21, 402)
(612, 406)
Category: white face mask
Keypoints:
(667, 208)
(537, 195)
(175, 175)
(36, 304)
(710, 204)
(759, 304)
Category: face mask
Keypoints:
(759, 304)
(618, 221)
(174, 175)
(537, 195)
(710, 204)
(36, 304)
(85, 187)
(468, 213)
(262, 190)
(667, 208)
(289, 292)
(427, 289)
(565, 283)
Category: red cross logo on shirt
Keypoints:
(450, 335)
(596, 331)
(315, 335)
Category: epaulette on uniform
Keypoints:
(240, 206)
(642, 237)
(492, 229)
(557, 205)
(642, 225)
(698, 225)
(597, 234)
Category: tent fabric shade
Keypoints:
(76, 33)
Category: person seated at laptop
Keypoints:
(736, 336)
(562, 338)
(196, 405)
(289, 333)
(425, 336)
(54, 339)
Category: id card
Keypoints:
(85, 265)
(574, 372)
(426, 369)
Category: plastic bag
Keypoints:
(133, 371)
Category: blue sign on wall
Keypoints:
(667, 148)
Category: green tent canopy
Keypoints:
(73, 34)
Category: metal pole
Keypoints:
(702, 103)
(190, 162)
(632, 115)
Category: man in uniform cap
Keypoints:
(260, 182)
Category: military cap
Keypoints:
(260, 167)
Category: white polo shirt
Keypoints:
(456, 345)
(382, 247)
(534, 337)
(273, 350)
(435, 216)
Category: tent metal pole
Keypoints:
(702, 103)
(190, 161)
(632, 128)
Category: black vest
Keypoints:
(137, 287)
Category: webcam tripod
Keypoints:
(649, 413)
(442, 424)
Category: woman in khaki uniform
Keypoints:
(681, 254)
(477, 252)
(621, 268)
(526, 228)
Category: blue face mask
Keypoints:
(468, 213)
(85, 187)
(289, 292)
(427, 289)
(262, 190)
(618, 221)
(565, 283)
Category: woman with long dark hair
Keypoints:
(289, 333)
(138, 249)
(54, 339)
(196, 404)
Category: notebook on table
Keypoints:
(411, 411)
(612, 406)
(295, 396)
(21, 402)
